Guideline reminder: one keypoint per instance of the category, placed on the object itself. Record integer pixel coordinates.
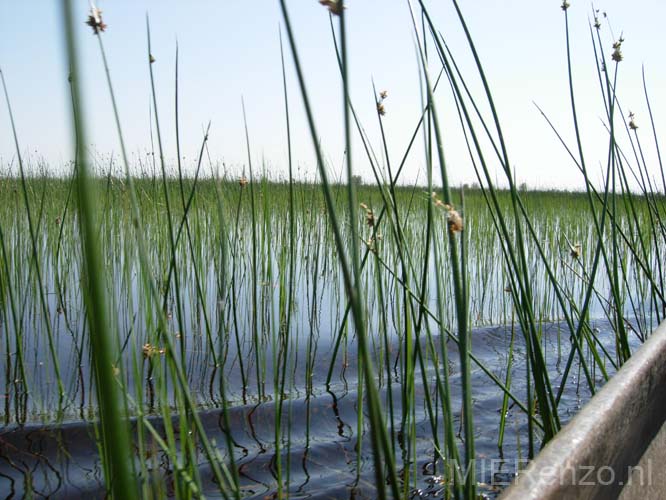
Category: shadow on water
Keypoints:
(320, 448)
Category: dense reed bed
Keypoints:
(149, 299)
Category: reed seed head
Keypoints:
(617, 55)
(455, 221)
(617, 50)
(380, 103)
(576, 251)
(632, 123)
(453, 217)
(334, 6)
(149, 350)
(95, 21)
(565, 5)
(369, 215)
(370, 242)
(243, 181)
(151, 59)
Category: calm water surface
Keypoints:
(62, 460)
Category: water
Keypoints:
(62, 461)
(228, 322)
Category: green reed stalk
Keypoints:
(234, 263)
(516, 260)
(507, 382)
(412, 351)
(255, 272)
(382, 451)
(599, 225)
(172, 241)
(458, 279)
(18, 331)
(392, 182)
(35, 256)
(223, 397)
(186, 206)
(115, 435)
(535, 238)
(608, 91)
(452, 468)
(547, 406)
(220, 472)
(284, 332)
(654, 132)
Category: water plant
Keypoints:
(205, 328)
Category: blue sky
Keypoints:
(229, 50)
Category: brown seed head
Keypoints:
(617, 50)
(243, 181)
(148, 350)
(369, 215)
(632, 123)
(370, 243)
(453, 218)
(455, 221)
(370, 218)
(380, 109)
(334, 6)
(95, 21)
(576, 251)
(617, 55)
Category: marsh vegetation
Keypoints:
(243, 336)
